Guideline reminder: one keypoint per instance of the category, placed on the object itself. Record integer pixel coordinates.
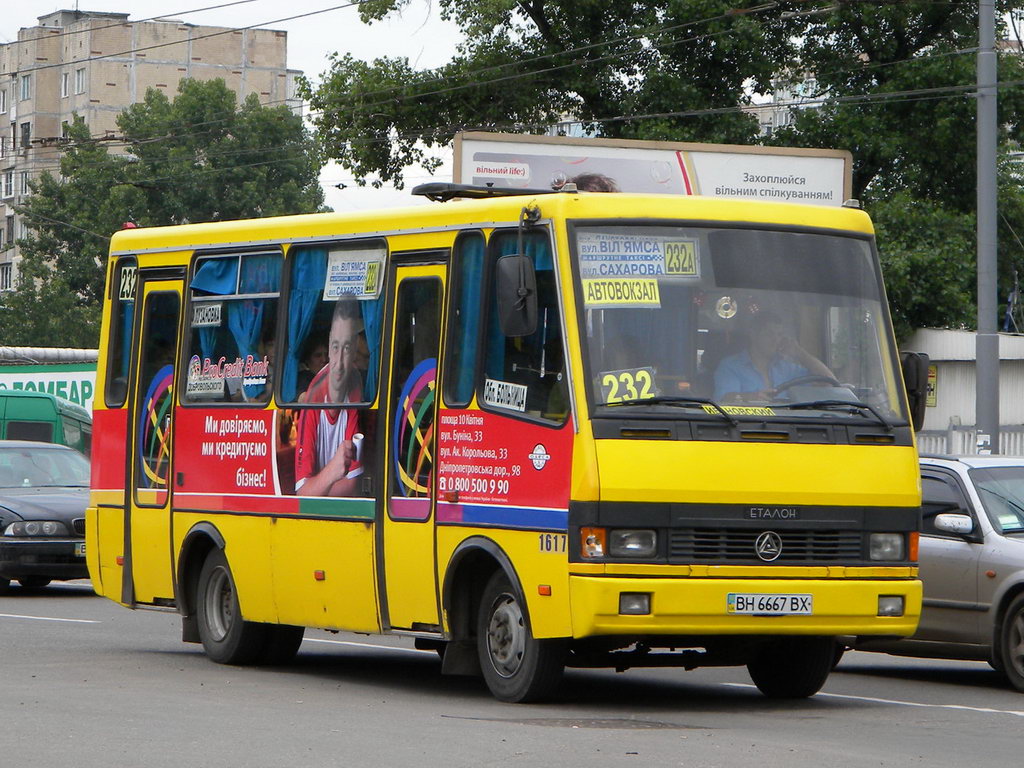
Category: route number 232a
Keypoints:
(623, 386)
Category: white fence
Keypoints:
(963, 441)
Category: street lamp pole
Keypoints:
(987, 350)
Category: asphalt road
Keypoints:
(84, 682)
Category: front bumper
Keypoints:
(59, 559)
(698, 606)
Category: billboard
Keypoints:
(72, 381)
(781, 174)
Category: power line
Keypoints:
(55, 35)
(226, 31)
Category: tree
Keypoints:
(894, 86)
(200, 157)
(527, 64)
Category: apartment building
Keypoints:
(93, 65)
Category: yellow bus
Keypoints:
(530, 430)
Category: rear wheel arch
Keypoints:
(1006, 601)
(201, 539)
(1007, 598)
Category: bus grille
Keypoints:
(723, 545)
(79, 525)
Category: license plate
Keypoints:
(79, 549)
(769, 605)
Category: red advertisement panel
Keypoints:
(488, 458)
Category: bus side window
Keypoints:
(464, 319)
(331, 357)
(121, 320)
(233, 319)
(527, 373)
(307, 338)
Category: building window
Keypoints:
(22, 228)
(3, 101)
(9, 184)
(64, 77)
(23, 186)
(80, 80)
(5, 277)
(10, 229)
(26, 87)
(26, 135)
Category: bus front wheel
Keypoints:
(227, 638)
(793, 667)
(516, 666)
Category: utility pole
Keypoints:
(987, 350)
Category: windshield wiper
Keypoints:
(677, 400)
(846, 405)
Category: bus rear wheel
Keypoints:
(227, 638)
(793, 667)
(516, 666)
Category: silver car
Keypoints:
(972, 564)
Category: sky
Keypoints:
(418, 33)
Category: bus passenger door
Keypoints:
(409, 598)
(147, 558)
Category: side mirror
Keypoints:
(516, 284)
(960, 525)
(915, 379)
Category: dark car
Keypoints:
(44, 490)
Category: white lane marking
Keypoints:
(899, 703)
(365, 645)
(47, 618)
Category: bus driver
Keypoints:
(325, 459)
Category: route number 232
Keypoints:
(623, 386)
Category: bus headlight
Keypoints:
(626, 542)
(886, 546)
(36, 528)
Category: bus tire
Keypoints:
(793, 667)
(227, 638)
(516, 666)
(5, 585)
(1011, 643)
(282, 643)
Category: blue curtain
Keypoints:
(371, 325)
(309, 271)
(127, 325)
(216, 276)
(260, 274)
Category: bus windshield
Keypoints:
(739, 321)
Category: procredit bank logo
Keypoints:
(539, 456)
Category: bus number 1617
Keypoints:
(552, 542)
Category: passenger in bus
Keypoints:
(772, 357)
(314, 358)
(325, 459)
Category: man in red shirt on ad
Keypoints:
(325, 459)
